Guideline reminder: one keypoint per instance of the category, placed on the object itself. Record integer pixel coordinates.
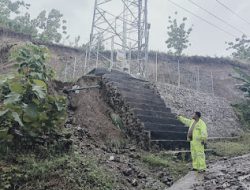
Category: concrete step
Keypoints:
(168, 135)
(148, 107)
(150, 96)
(122, 78)
(165, 127)
(145, 91)
(143, 101)
(156, 120)
(153, 113)
(144, 94)
(171, 144)
(125, 80)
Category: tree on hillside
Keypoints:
(178, 36)
(24, 24)
(241, 48)
(245, 78)
(243, 109)
(51, 26)
(46, 27)
(7, 8)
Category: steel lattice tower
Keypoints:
(124, 29)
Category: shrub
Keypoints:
(28, 113)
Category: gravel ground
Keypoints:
(226, 174)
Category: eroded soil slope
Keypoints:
(96, 136)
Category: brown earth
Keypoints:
(95, 135)
(92, 113)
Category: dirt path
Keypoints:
(186, 183)
(228, 174)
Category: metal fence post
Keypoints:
(86, 60)
(97, 53)
(112, 54)
(179, 74)
(198, 79)
(65, 72)
(212, 81)
(74, 69)
(156, 67)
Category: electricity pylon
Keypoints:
(123, 25)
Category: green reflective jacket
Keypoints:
(200, 129)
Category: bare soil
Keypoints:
(96, 136)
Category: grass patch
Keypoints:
(231, 148)
(155, 161)
(65, 172)
(177, 168)
(243, 112)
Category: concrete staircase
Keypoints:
(162, 127)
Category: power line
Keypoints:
(210, 23)
(222, 20)
(233, 12)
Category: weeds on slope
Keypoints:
(69, 171)
(227, 148)
(176, 168)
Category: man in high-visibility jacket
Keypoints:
(197, 135)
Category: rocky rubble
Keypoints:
(227, 174)
(133, 126)
(216, 112)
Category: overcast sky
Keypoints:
(205, 39)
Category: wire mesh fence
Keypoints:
(184, 75)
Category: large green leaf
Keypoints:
(30, 113)
(40, 83)
(60, 103)
(16, 87)
(5, 78)
(39, 91)
(4, 135)
(12, 98)
(2, 113)
(17, 118)
(36, 75)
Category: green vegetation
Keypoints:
(47, 27)
(29, 114)
(35, 153)
(231, 148)
(245, 78)
(243, 109)
(69, 171)
(178, 36)
(241, 48)
(177, 168)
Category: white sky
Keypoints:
(205, 39)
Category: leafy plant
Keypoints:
(27, 111)
(178, 36)
(176, 168)
(241, 48)
(243, 109)
(68, 171)
(245, 78)
(47, 27)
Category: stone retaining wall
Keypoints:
(216, 112)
